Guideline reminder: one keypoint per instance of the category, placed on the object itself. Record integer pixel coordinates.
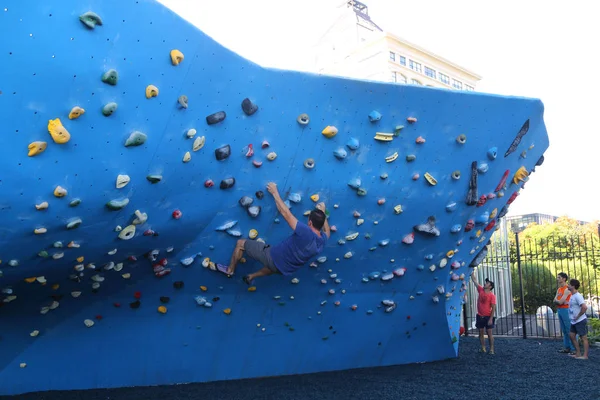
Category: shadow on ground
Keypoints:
(521, 369)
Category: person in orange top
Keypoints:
(562, 305)
(486, 311)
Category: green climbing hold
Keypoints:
(154, 178)
(136, 139)
(111, 77)
(361, 192)
(74, 223)
(90, 19)
(75, 202)
(43, 254)
(117, 204)
(398, 129)
(109, 109)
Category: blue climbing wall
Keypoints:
(331, 316)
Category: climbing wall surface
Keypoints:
(128, 140)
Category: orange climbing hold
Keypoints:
(252, 289)
(203, 288)
(80, 259)
(162, 309)
(227, 311)
(31, 280)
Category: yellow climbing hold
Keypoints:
(198, 143)
(36, 148)
(314, 197)
(253, 234)
(227, 311)
(42, 206)
(493, 214)
(151, 91)
(176, 56)
(55, 286)
(203, 288)
(384, 137)
(252, 289)
(162, 309)
(187, 157)
(58, 132)
(520, 175)
(126, 275)
(39, 231)
(60, 191)
(80, 259)
(76, 112)
(432, 181)
(391, 158)
(329, 131)
(398, 209)
(242, 260)
(450, 253)
(31, 280)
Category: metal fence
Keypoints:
(524, 272)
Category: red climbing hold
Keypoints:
(132, 258)
(137, 295)
(490, 225)
(148, 232)
(209, 183)
(502, 181)
(176, 214)
(512, 198)
(250, 151)
(98, 317)
(408, 317)
(163, 262)
(117, 305)
(470, 224)
(482, 200)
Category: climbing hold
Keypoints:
(420, 140)
(246, 201)
(517, 140)
(360, 221)
(340, 153)
(314, 197)
(176, 56)
(183, 101)
(381, 202)
(493, 213)
(409, 239)
(483, 218)
(482, 200)
(355, 183)
(111, 77)
(384, 137)
(140, 218)
(430, 179)
(470, 224)
(227, 183)
(249, 150)
(74, 223)
(253, 211)
(58, 132)
(216, 117)
(187, 157)
(90, 19)
(374, 116)
(122, 181)
(60, 191)
(154, 178)
(384, 242)
(151, 91)
(136, 139)
(36, 148)
(411, 120)
(256, 163)
(223, 152)
(472, 193)
(456, 175)
(253, 234)
(400, 271)
(411, 157)
(483, 168)
(383, 176)
(162, 309)
(117, 204)
(109, 109)
(76, 112)
(227, 311)
(461, 139)
(329, 131)
(176, 214)
(520, 176)
(492, 153)
(303, 119)
(264, 144)
(353, 144)
(42, 205)
(40, 231)
(490, 225)
(451, 206)
(249, 107)
(456, 228)
(259, 194)
(88, 323)
(75, 202)
(398, 129)
(415, 177)
(428, 228)
(348, 255)
(391, 158)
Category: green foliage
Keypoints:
(594, 334)
(539, 286)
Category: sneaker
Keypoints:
(564, 351)
(482, 350)
(492, 352)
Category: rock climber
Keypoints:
(486, 309)
(285, 258)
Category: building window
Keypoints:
(444, 78)
(469, 88)
(456, 84)
(401, 79)
(392, 56)
(393, 77)
(402, 60)
(414, 65)
(430, 72)
(415, 82)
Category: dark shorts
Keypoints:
(481, 322)
(580, 328)
(260, 252)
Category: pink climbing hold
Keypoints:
(491, 196)
(265, 144)
(381, 202)
(409, 239)
(250, 151)
(333, 228)
(415, 177)
(420, 140)
(257, 163)
(176, 214)
(132, 258)
(411, 120)
(400, 271)
(209, 183)
(482, 200)
(148, 232)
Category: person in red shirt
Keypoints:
(486, 311)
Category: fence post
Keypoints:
(521, 284)
(465, 319)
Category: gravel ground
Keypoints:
(521, 369)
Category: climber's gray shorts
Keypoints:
(260, 252)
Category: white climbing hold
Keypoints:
(23, 365)
(191, 133)
(118, 228)
(112, 252)
(295, 280)
(187, 157)
(126, 275)
(88, 323)
(8, 299)
(96, 285)
(75, 294)
(118, 267)
(187, 261)
(352, 236)
(98, 278)
(140, 218)
(360, 221)
(169, 249)
(54, 305)
(122, 181)
(127, 233)
(79, 267)
(198, 143)
(271, 156)
(432, 268)
(34, 333)
(41, 279)
(443, 262)
(57, 256)
(348, 255)
(322, 259)
(206, 262)
(323, 281)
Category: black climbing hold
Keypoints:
(254, 211)
(178, 284)
(479, 257)
(216, 298)
(517, 140)
(428, 228)
(135, 304)
(472, 197)
(246, 201)
(227, 183)
(223, 152)
(57, 297)
(164, 299)
(249, 107)
(260, 194)
(216, 118)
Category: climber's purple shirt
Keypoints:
(295, 251)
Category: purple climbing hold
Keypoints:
(216, 118)
(223, 152)
(227, 183)
(249, 107)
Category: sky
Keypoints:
(531, 48)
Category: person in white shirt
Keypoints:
(577, 309)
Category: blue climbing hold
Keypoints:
(353, 144)
(483, 218)
(456, 228)
(429, 257)
(420, 267)
(226, 226)
(374, 116)
(482, 168)
(451, 206)
(492, 153)
(374, 275)
(355, 183)
(340, 153)
(384, 242)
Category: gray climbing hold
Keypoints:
(411, 157)
(74, 223)
(90, 19)
(383, 176)
(246, 201)
(117, 204)
(223, 152)
(183, 101)
(109, 109)
(154, 178)
(517, 140)
(249, 107)
(303, 119)
(295, 197)
(472, 197)
(309, 163)
(111, 77)
(482, 168)
(215, 118)
(227, 183)
(136, 139)
(428, 228)
(75, 202)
